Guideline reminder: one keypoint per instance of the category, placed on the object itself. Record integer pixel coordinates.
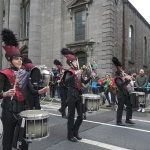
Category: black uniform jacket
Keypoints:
(121, 86)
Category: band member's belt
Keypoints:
(14, 106)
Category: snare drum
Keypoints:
(92, 102)
(36, 124)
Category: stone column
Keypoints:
(1, 26)
(14, 16)
(34, 52)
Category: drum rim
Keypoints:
(39, 139)
(34, 117)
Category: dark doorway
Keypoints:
(81, 58)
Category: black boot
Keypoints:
(120, 124)
(76, 135)
(72, 139)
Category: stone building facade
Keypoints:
(115, 27)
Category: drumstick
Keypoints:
(78, 63)
(90, 66)
(17, 75)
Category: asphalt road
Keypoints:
(99, 132)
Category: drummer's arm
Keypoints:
(36, 92)
(85, 81)
(31, 89)
(2, 81)
(121, 84)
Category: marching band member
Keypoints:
(73, 79)
(123, 98)
(14, 85)
(63, 89)
(33, 100)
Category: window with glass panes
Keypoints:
(131, 44)
(145, 51)
(80, 19)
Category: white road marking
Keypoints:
(103, 145)
(140, 120)
(106, 124)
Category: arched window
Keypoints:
(131, 44)
(27, 19)
(145, 51)
(82, 59)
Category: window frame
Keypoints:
(145, 51)
(75, 10)
(131, 43)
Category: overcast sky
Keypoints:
(143, 6)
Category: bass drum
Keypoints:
(40, 76)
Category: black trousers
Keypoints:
(121, 101)
(34, 102)
(63, 95)
(73, 125)
(9, 124)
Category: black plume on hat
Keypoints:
(57, 62)
(116, 61)
(26, 60)
(66, 51)
(9, 38)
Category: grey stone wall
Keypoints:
(34, 52)
(141, 29)
(1, 26)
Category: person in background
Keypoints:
(84, 71)
(106, 83)
(33, 100)
(85, 87)
(113, 91)
(100, 86)
(94, 65)
(94, 83)
(141, 83)
(89, 71)
(148, 89)
(53, 84)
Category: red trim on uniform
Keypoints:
(11, 77)
(76, 79)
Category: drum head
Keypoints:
(36, 76)
(34, 114)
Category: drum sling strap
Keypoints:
(19, 134)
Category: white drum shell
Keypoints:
(92, 102)
(36, 124)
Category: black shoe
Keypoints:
(64, 116)
(120, 124)
(77, 137)
(108, 105)
(72, 139)
(129, 122)
(60, 110)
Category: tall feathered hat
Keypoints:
(69, 55)
(58, 64)
(118, 65)
(11, 44)
(27, 63)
